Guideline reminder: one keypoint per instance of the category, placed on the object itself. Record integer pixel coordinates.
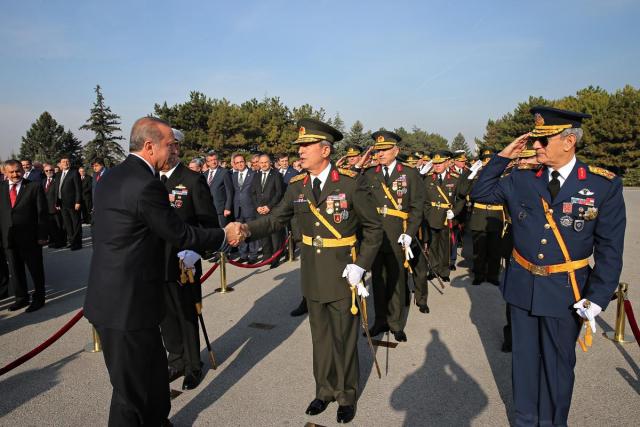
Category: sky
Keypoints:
(443, 66)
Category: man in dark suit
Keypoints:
(267, 190)
(86, 183)
(23, 216)
(31, 173)
(125, 302)
(99, 170)
(244, 209)
(219, 180)
(190, 197)
(285, 170)
(55, 227)
(69, 194)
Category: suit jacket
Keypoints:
(132, 221)
(221, 189)
(35, 175)
(71, 191)
(272, 192)
(590, 213)
(290, 173)
(86, 185)
(243, 206)
(352, 212)
(25, 223)
(95, 179)
(189, 196)
(51, 195)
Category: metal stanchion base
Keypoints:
(611, 335)
(91, 348)
(223, 291)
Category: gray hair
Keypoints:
(146, 128)
(578, 132)
(197, 161)
(328, 144)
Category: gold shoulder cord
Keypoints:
(404, 221)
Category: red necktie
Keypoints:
(98, 177)
(46, 187)
(13, 194)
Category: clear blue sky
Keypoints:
(444, 66)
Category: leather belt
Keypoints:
(545, 270)
(488, 207)
(325, 242)
(384, 211)
(442, 205)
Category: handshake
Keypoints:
(236, 233)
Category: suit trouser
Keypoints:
(334, 333)
(55, 230)
(248, 249)
(222, 220)
(439, 251)
(4, 275)
(85, 210)
(486, 254)
(72, 226)
(179, 327)
(137, 365)
(271, 243)
(390, 293)
(543, 358)
(17, 258)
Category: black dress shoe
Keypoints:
(242, 259)
(424, 308)
(495, 282)
(175, 373)
(445, 279)
(36, 304)
(400, 336)
(192, 380)
(317, 406)
(476, 282)
(18, 305)
(345, 414)
(452, 267)
(378, 328)
(275, 264)
(302, 309)
(75, 248)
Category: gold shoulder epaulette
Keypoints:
(602, 172)
(529, 166)
(297, 178)
(454, 174)
(347, 172)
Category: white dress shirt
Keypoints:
(153, 170)
(564, 171)
(322, 176)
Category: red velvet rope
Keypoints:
(19, 361)
(632, 320)
(262, 263)
(206, 275)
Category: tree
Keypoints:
(460, 143)
(421, 141)
(47, 141)
(356, 136)
(104, 123)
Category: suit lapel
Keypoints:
(23, 189)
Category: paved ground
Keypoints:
(450, 372)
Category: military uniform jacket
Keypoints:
(479, 219)
(191, 199)
(346, 203)
(407, 189)
(590, 213)
(436, 216)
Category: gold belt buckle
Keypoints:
(539, 270)
(317, 242)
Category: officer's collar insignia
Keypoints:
(380, 138)
(539, 120)
(582, 173)
(585, 192)
(335, 176)
(539, 173)
(306, 179)
(378, 168)
(399, 167)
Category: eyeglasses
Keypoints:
(48, 170)
(543, 140)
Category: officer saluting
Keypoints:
(398, 193)
(561, 215)
(331, 205)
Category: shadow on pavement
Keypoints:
(439, 392)
(634, 383)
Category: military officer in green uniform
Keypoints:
(398, 193)
(331, 206)
(440, 207)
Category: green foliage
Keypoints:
(104, 124)
(47, 141)
(460, 143)
(419, 140)
(611, 138)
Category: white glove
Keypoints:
(589, 313)
(450, 214)
(474, 169)
(404, 240)
(426, 167)
(354, 274)
(189, 258)
(362, 290)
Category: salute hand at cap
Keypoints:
(512, 150)
(588, 310)
(189, 258)
(475, 168)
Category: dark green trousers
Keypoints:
(439, 251)
(390, 292)
(334, 333)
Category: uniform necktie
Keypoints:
(386, 175)
(440, 180)
(316, 188)
(554, 185)
(13, 194)
(164, 179)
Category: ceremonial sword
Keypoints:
(362, 306)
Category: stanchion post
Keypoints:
(223, 274)
(618, 334)
(291, 247)
(94, 345)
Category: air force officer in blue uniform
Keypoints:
(584, 205)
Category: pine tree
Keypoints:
(460, 143)
(104, 123)
(355, 136)
(47, 141)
